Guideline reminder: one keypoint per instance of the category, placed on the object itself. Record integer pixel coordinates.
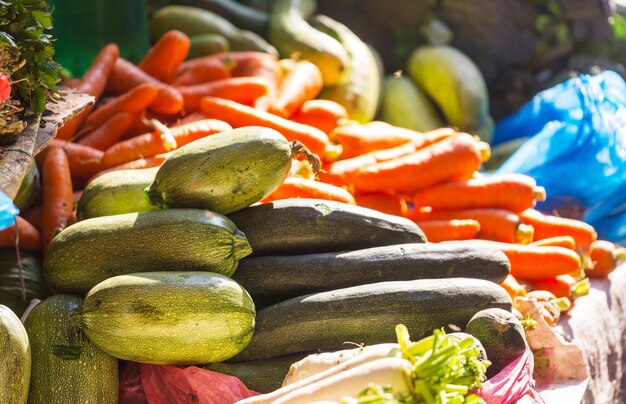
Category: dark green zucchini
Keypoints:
(271, 279)
(302, 226)
(10, 282)
(264, 376)
(368, 314)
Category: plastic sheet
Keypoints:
(8, 211)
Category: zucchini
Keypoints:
(224, 172)
(271, 279)
(359, 89)
(294, 36)
(177, 318)
(11, 284)
(302, 226)
(405, 105)
(264, 376)
(367, 314)
(15, 359)
(115, 193)
(502, 335)
(207, 44)
(66, 366)
(92, 250)
(30, 188)
(196, 21)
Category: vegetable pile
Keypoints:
(250, 202)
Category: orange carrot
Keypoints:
(548, 305)
(560, 285)
(303, 82)
(547, 226)
(604, 256)
(357, 139)
(262, 65)
(342, 172)
(531, 262)
(109, 132)
(513, 287)
(324, 115)
(382, 202)
(25, 234)
(148, 162)
(239, 115)
(297, 187)
(559, 241)
(446, 230)
(514, 192)
(93, 83)
(134, 101)
(164, 58)
(58, 200)
(84, 161)
(452, 158)
(244, 90)
(71, 82)
(126, 76)
(33, 216)
(151, 144)
(495, 224)
(139, 125)
(209, 70)
(193, 117)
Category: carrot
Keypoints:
(239, 115)
(559, 241)
(193, 117)
(357, 139)
(261, 65)
(33, 216)
(84, 161)
(93, 83)
(151, 144)
(244, 90)
(513, 287)
(139, 125)
(604, 256)
(452, 158)
(495, 224)
(531, 262)
(548, 305)
(164, 58)
(302, 83)
(514, 192)
(382, 202)
(342, 172)
(547, 226)
(23, 233)
(71, 82)
(126, 76)
(148, 162)
(562, 286)
(446, 230)
(297, 187)
(134, 101)
(109, 132)
(324, 115)
(58, 199)
(209, 70)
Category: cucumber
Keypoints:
(66, 366)
(11, 284)
(115, 193)
(360, 87)
(367, 314)
(207, 44)
(272, 279)
(177, 318)
(303, 226)
(264, 376)
(196, 21)
(456, 85)
(30, 188)
(224, 172)
(407, 106)
(293, 35)
(93, 250)
(15, 359)
(502, 335)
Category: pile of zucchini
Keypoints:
(200, 273)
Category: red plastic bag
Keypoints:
(160, 384)
(514, 382)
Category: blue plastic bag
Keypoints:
(577, 150)
(8, 211)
